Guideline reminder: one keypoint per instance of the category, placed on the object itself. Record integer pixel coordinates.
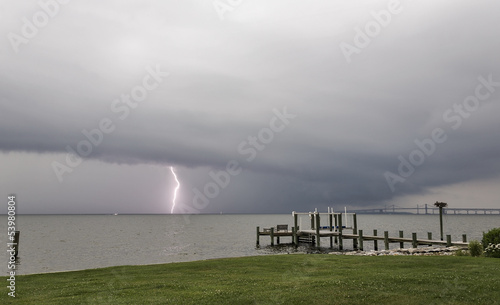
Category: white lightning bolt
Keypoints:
(176, 189)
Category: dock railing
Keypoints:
(337, 223)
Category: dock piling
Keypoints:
(386, 240)
(272, 236)
(336, 227)
(354, 231)
(16, 242)
(375, 242)
(317, 229)
(341, 242)
(360, 235)
(441, 219)
(258, 235)
(414, 242)
(448, 240)
(330, 223)
(295, 223)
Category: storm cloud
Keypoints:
(259, 106)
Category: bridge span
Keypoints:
(426, 209)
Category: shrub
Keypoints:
(492, 237)
(475, 248)
(491, 243)
(460, 253)
(492, 250)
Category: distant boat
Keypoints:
(115, 214)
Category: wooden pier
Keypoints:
(337, 232)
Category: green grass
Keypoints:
(276, 279)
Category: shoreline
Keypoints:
(423, 251)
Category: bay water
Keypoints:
(52, 243)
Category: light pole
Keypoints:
(441, 205)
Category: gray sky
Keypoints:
(260, 106)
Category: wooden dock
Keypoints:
(337, 233)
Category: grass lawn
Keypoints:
(275, 279)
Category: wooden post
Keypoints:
(295, 223)
(360, 236)
(277, 240)
(330, 223)
(16, 242)
(272, 236)
(448, 240)
(414, 240)
(386, 240)
(441, 221)
(317, 229)
(401, 244)
(354, 231)
(375, 242)
(258, 234)
(311, 216)
(429, 235)
(294, 237)
(336, 228)
(464, 238)
(341, 243)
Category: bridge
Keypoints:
(426, 209)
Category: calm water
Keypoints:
(50, 243)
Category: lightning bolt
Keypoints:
(176, 189)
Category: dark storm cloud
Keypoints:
(353, 120)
